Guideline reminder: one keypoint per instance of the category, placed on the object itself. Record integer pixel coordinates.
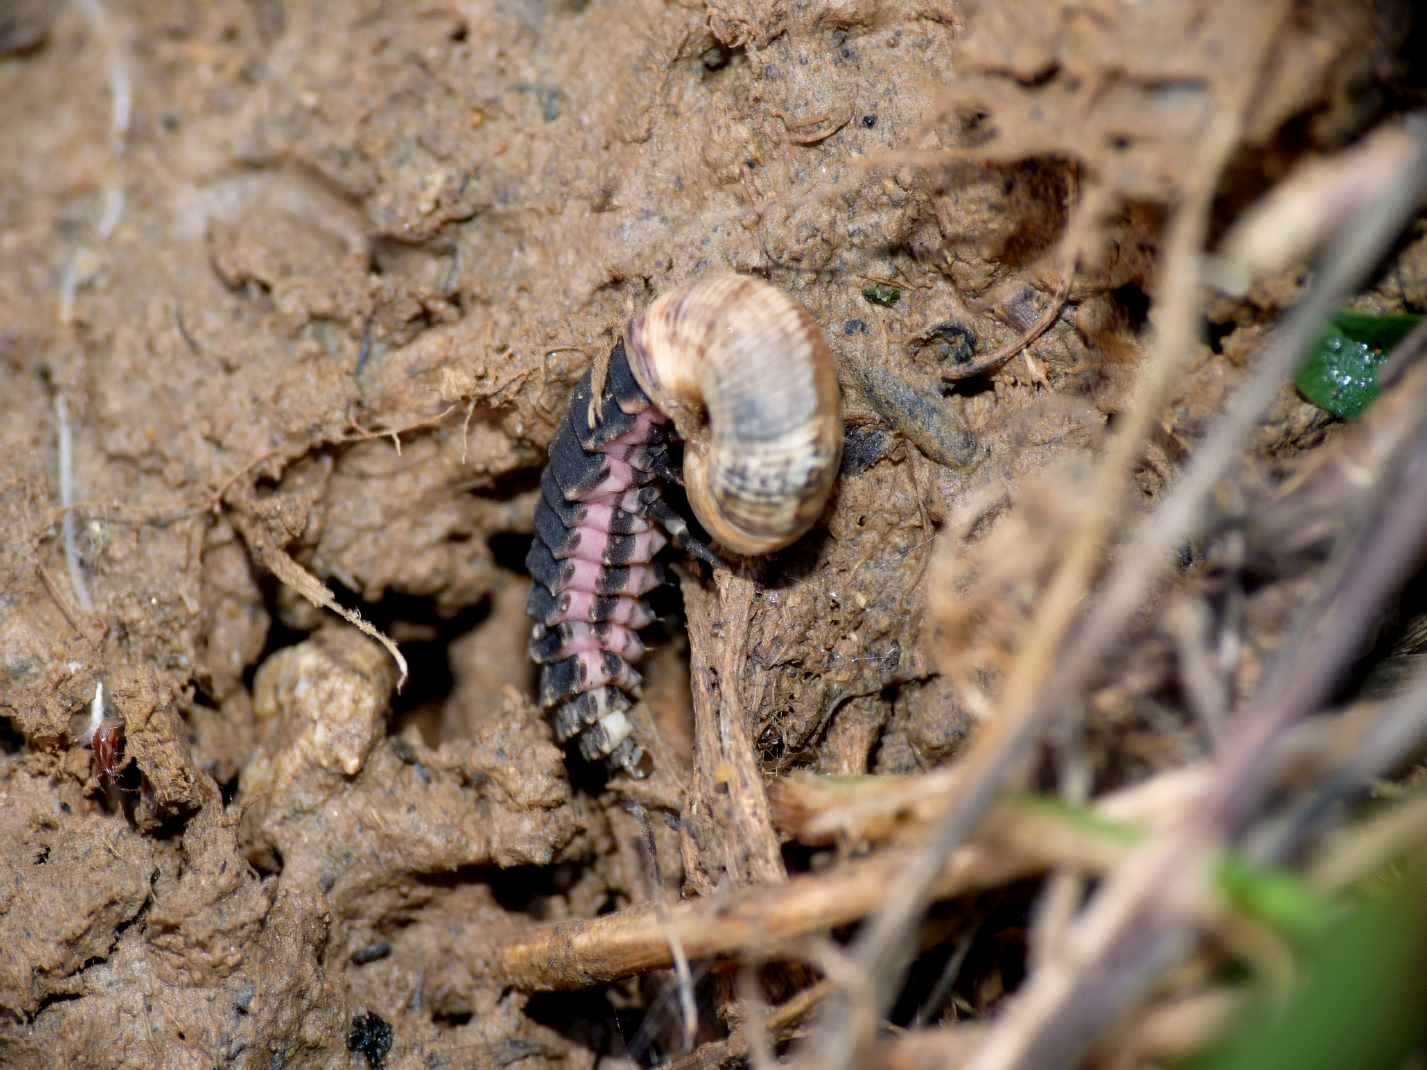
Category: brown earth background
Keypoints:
(311, 304)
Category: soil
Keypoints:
(308, 310)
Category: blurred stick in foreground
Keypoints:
(1035, 695)
(1140, 922)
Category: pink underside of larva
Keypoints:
(614, 637)
(618, 491)
(593, 544)
(628, 454)
(617, 480)
(599, 515)
(639, 433)
(595, 674)
(622, 476)
(586, 576)
(580, 606)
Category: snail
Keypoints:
(739, 372)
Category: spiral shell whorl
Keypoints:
(748, 379)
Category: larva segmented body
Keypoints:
(739, 371)
(593, 559)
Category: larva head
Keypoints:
(748, 379)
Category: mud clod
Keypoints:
(370, 1037)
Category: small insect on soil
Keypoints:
(740, 373)
(108, 744)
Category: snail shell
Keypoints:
(747, 377)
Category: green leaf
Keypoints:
(883, 295)
(1276, 897)
(1380, 331)
(1358, 999)
(1340, 374)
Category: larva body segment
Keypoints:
(742, 373)
(592, 561)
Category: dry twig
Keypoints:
(282, 565)
(779, 1024)
(588, 951)
(1018, 839)
(1170, 1031)
(1381, 839)
(727, 816)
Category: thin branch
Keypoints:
(779, 1025)
(581, 952)
(1333, 633)
(683, 976)
(282, 565)
(1397, 733)
(828, 810)
(1168, 1032)
(994, 360)
(727, 801)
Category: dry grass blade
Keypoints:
(70, 523)
(282, 565)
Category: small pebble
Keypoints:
(922, 417)
(371, 1038)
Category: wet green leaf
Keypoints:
(1340, 374)
(880, 294)
(1359, 997)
